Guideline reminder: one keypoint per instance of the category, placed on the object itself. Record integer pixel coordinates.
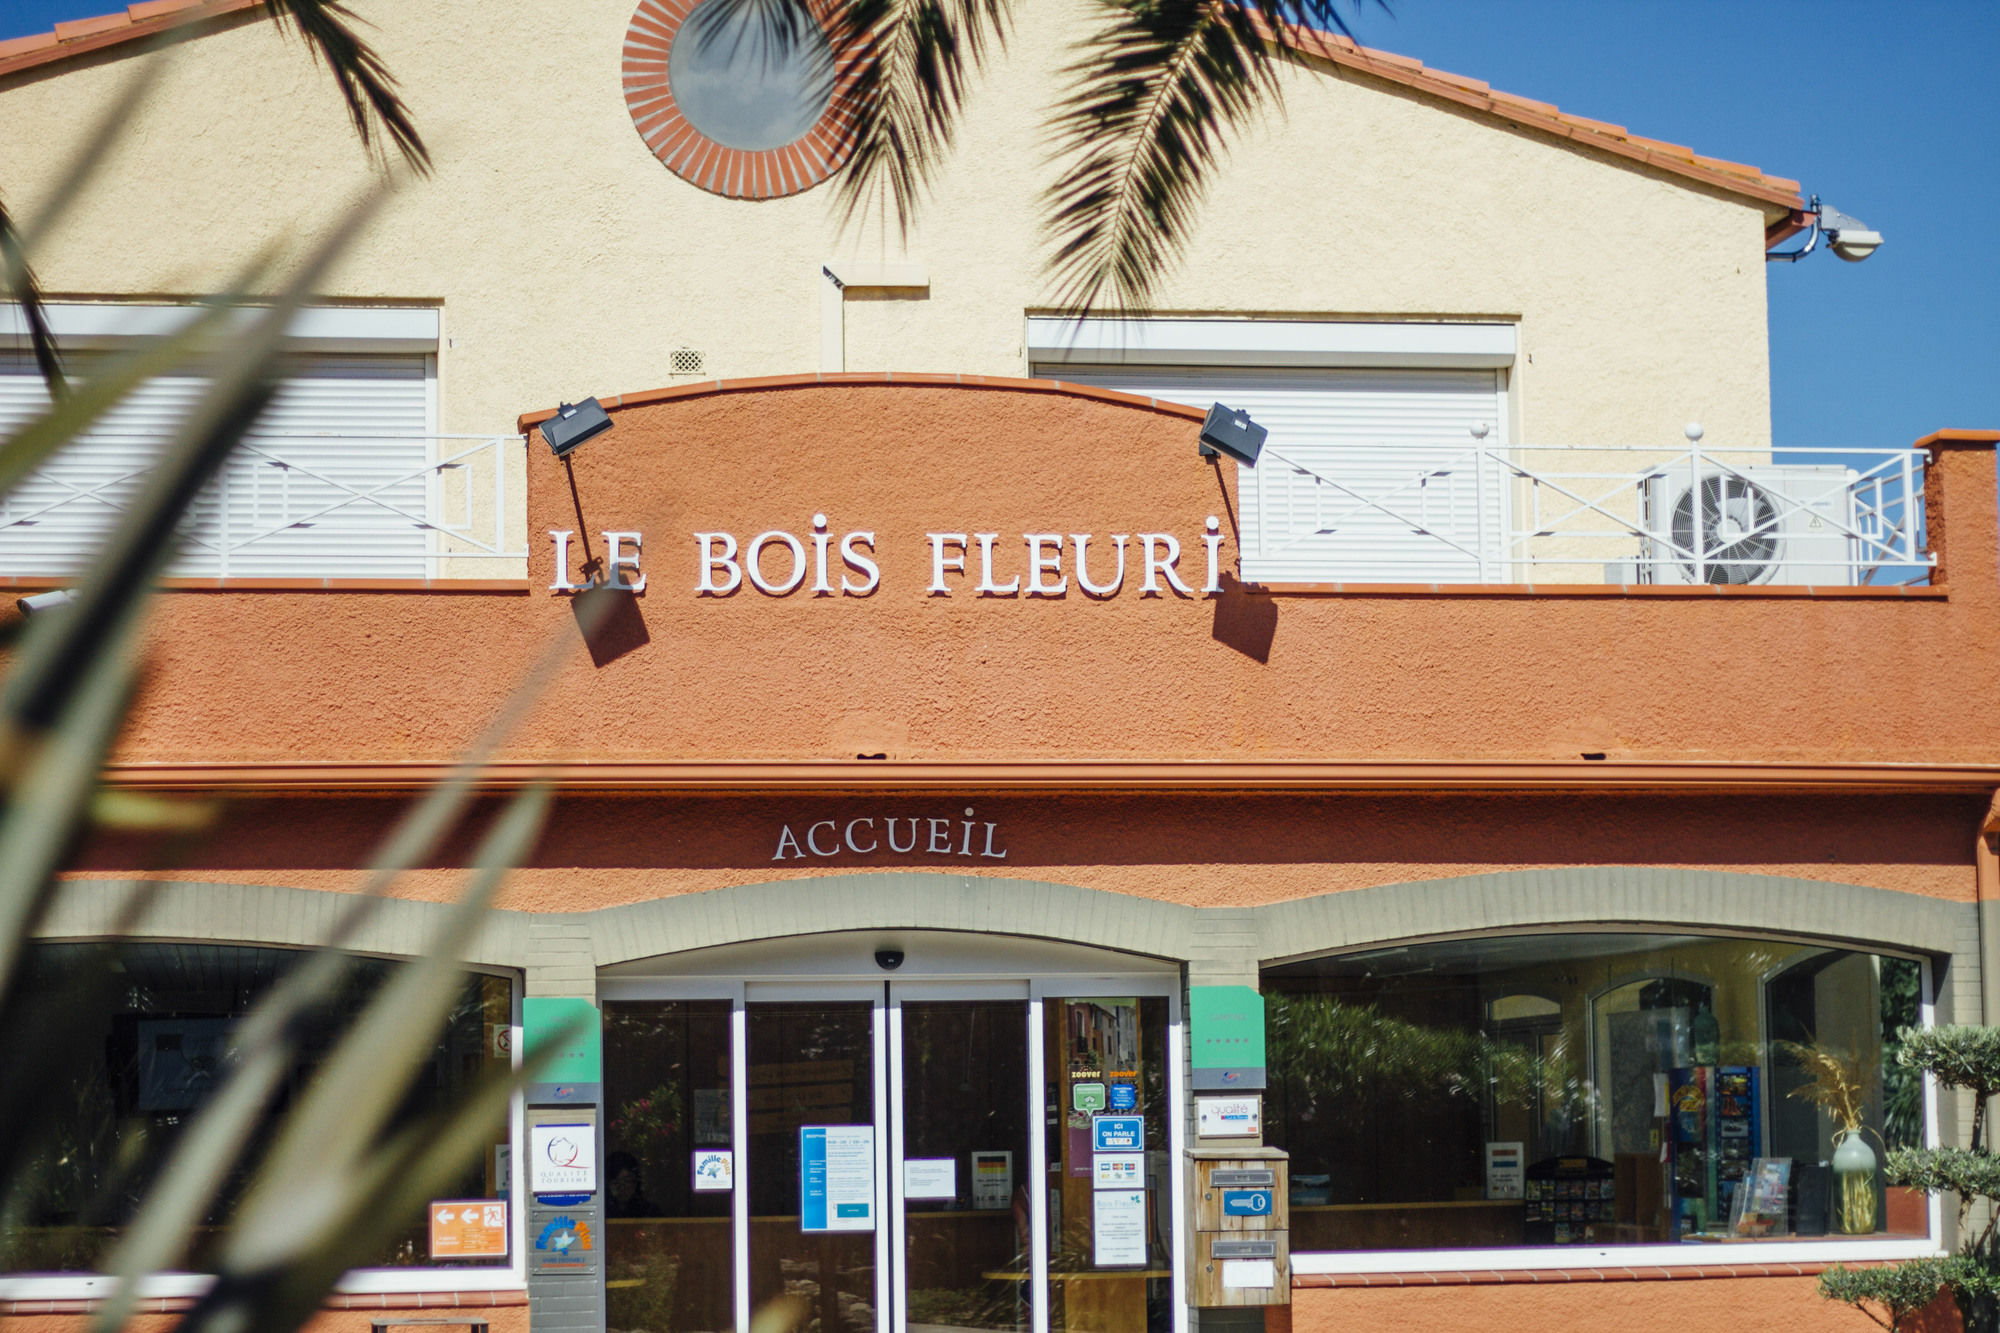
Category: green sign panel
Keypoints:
(580, 1058)
(1226, 1037)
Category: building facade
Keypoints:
(1019, 872)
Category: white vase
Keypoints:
(1854, 1198)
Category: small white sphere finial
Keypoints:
(1692, 431)
(1479, 431)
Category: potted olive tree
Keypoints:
(1957, 1057)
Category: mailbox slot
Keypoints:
(1235, 1271)
(1242, 1240)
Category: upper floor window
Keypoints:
(1391, 458)
(344, 476)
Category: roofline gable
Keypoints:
(1779, 195)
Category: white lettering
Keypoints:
(895, 846)
(1162, 565)
(820, 585)
(941, 562)
(812, 839)
(859, 563)
(710, 562)
(848, 836)
(987, 586)
(785, 839)
(562, 583)
(1082, 540)
(1213, 540)
(937, 826)
(753, 557)
(616, 561)
(1041, 561)
(1000, 855)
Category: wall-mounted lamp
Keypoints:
(45, 601)
(1228, 431)
(574, 423)
(1849, 238)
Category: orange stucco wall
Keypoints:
(285, 676)
(1788, 1303)
(1199, 850)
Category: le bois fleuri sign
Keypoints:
(778, 563)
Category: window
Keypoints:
(1371, 470)
(1592, 1090)
(146, 1063)
(338, 478)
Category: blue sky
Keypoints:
(1884, 109)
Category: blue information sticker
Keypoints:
(1246, 1203)
(1117, 1133)
(1124, 1096)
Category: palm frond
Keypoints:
(1154, 98)
(27, 292)
(911, 63)
(364, 80)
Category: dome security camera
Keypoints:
(888, 959)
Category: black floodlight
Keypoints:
(1231, 432)
(574, 423)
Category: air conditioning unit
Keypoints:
(1777, 524)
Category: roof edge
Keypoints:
(151, 17)
(136, 22)
(1776, 192)
(900, 379)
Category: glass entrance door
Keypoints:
(961, 1216)
(893, 1157)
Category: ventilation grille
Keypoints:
(686, 361)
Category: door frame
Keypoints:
(996, 983)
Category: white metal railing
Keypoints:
(1480, 513)
(290, 505)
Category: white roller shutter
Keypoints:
(331, 484)
(1374, 478)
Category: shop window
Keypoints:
(144, 1065)
(1592, 1090)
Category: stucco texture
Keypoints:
(1602, 1307)
(569, 261)
(1240, 851)
(277, 676)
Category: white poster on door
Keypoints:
(930, 1177)
(1118, 1228)
(836, 1177)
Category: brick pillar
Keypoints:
(561, 963)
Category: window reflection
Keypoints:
(1598, 1089)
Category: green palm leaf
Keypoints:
(1154, 99)
(911, 69)
(364, 80)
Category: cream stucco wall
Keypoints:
(568, 261)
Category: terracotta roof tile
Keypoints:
(69, 32)
(94, 34)
(34, 41)
(1777, 192)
